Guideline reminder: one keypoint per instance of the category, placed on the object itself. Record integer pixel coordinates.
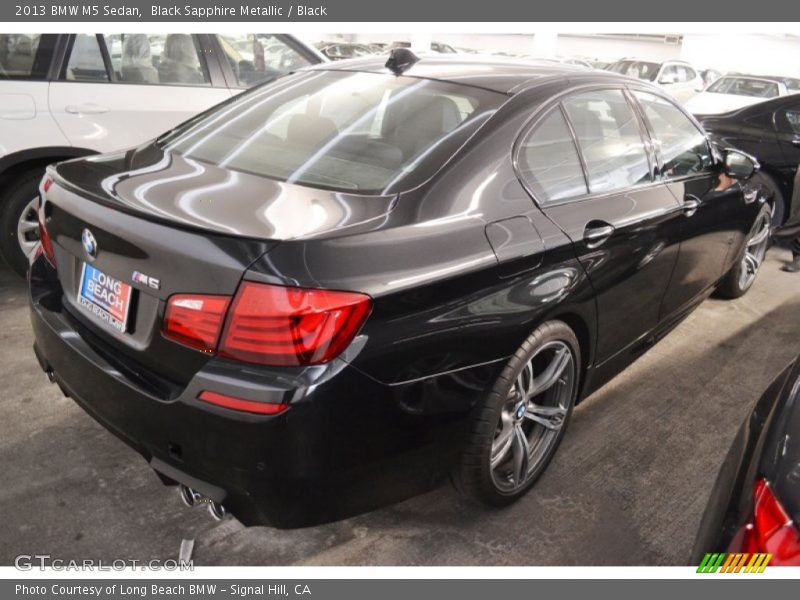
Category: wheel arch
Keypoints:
(580, 327)
(16, 164)
(774, 174)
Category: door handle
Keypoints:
(87, 108)
(596, 233)
(796, 141)
(690, 205)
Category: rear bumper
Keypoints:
(346, 445)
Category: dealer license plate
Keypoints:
(107, 298)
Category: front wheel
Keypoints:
(523, 419)
(743, 274)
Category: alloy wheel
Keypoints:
(28, 228)
(532, 416)
(755, 250)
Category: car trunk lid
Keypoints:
(180, 232)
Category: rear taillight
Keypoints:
(771, 529)
(285, 326)
(269, 324)
(44, 236)
(196, 320)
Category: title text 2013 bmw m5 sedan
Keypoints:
(334, 291)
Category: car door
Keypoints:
(787, 125)
(587, 165)
(711, 207)
(119, 90)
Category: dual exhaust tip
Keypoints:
(192, 498)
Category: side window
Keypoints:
(682, 147)
(86, 60)
(609, 139)
(689, 73)
(792, 119)
(25, 55)
(669, 74)
(167, 59)
(548, 160)
(259, 57)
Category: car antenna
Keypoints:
(400, 60)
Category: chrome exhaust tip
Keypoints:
(216, 510)
(189, 496)
(51, 375)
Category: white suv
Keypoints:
(677, 77)
(65, 96)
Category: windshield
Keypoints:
(793, 85)
(636, 68)
(744, 86)
(345, 131)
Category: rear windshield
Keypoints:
(357, 132)
(25, 55)
(743, 86)
(636, 68)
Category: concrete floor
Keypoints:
(628, 485)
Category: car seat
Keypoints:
(137, 62)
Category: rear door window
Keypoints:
(25, 55)
(609, 139)
(259, 57)
(548, 160)
(86, 62)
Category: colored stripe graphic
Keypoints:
(734, 563)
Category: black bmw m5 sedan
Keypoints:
(338, 289)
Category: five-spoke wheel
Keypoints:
(522, 421)
(741, 277)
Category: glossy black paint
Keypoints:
(765, 447)
(461, 270)
(763, 131)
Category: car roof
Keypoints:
(499, 74)
(760, 77)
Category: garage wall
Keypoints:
(613, 47)
(545, 45)
(756, 54)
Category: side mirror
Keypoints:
(738, 165)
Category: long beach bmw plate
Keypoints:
(105, 297)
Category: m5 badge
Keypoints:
(143, 279)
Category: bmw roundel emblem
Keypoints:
(89, 243)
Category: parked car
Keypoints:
(679, 78)
(755, 503)
(438, 47)
(63, 96)
(344, 50)
(770, 131)
(737, 91)
(304, 309)
(710, 76)
(579, 62)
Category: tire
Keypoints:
(15, 206)
(776, 199)
(497, 485)
(742, 275)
